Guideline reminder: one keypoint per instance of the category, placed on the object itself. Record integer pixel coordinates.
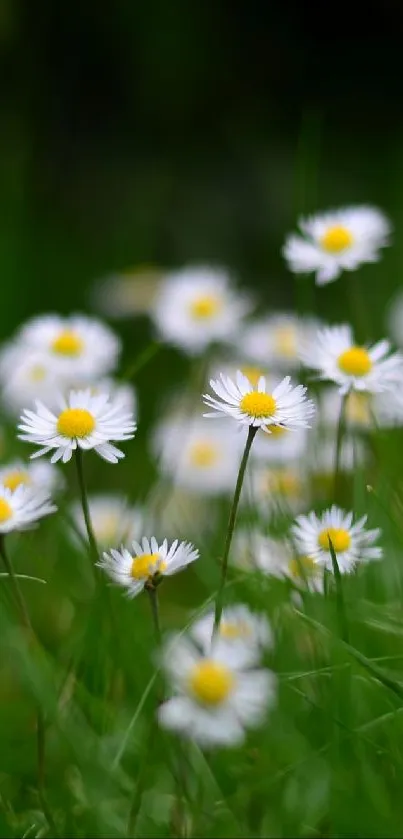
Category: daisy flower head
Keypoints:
(198, 306)
(26, 375)
(281, 446)
(83, 421)
(272, 557)
(22, 508)
(275, 340)
(113, 520)
(146, 562)
(242, 633)
(277, 488)
(215, 696)
(351, 542)
(363, 411)
(336, 241)
(286, 406)
(337, 358)
(122, 393)
(79, 348)
(198, 456)
(127, 293)
(41, 475)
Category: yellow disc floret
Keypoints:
(355, 361)
(231, 630)
(286, 341)
(340, 539)
(336, 239)
(5, 510)
(67, 343)
(301, 566)
(75, 422)
(145, 566)
(205, 306)
(258, 405)
(203, 454)
(15, 479)
(276, 430)
(358, 408)
(211, 682)
(253, 374)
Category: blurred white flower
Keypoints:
(275, 340)
(254, 551)
(114, 521)
(197, 456)
(198, 306)
(241, 633)
(146, 562)
(26, 375)
(363, 411)
(322, 456)
(128, 293)
(337, 240)
(280, 488)
(22, 508)
(40, 476)
(83, 421)
(282, 445)
(337, 358)
(352, 543)
(216, 698)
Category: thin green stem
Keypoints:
(231, 525)
(153, 598)
(141, 361)
(341, 606)
(40, 723)
(84, 503)
(341, 426)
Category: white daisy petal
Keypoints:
(352, 544)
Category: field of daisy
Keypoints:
(201, 582)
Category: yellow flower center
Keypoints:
(203, 454)
(284, 482)
(340, 539)
(205, 307)
(286, 341)
(144, 567)
(358, 408)
(258, 405)
(355, 362)
(301, 566)
(336, 239)
(15, 479)
(67, 343)
(75, 422)
(5, 510)
(37, 373)
(211, 682)
(253, 374)
(275, 431)
(231, 630)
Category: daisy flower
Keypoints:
(201, 459)
(26, 375)
(363, 411)
(196, 307)
(122, 393)
(146, 563)
(241, 633)
(254, 551)
(281, 446)
(22, 508)
(276, 340)
(79, 348)
(286, 406)
(130, 292)
(114, 521)
(336, 241)
(277, 488)
(216, 697)
(40, 476)
(338, 358)
(352, 543)
(83, 421)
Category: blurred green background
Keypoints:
(188, 131)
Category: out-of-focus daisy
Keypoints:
(114, 521)
(275, 341)
(79, 348)
(280, 446)
(22, 508)
(128, 293)
(229, 369)
(199, 457)
(338, 358)
(336, 241)
(40, 476)
(122, 393)
(146, 563)
(83, 421)
(254, 551)
(241, 633)
(25, 376)
(198, 306)
(277, 488)
(322, 456)
(363, 411)
(216, 697)
(287, 405)
(352, 543)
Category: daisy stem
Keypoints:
(141, 361)
(153, 598)
(231, 525)
(341, 607)
(341, 425)
(40, 722)
(84, 504)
